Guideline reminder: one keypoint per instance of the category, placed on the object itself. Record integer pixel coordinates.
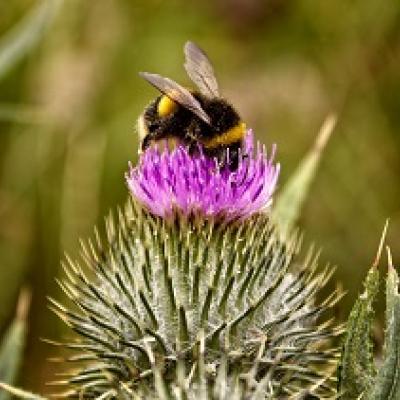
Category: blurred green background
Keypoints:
(70, 96)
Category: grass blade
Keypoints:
(13, 344)
(290, 200)
(19, 393)
(24, 36)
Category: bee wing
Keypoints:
(200, 70)
(177, 93)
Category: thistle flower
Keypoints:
(170, 307)
(166, 181)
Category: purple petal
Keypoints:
(166, 180)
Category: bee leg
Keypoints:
(220, 155)
(192, 148)
(153, 137)
(146, 142)
(233, 156)
(233, 162)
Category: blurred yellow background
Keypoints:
(70, 95)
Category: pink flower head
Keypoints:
(166, 181)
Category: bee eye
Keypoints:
(166, 106)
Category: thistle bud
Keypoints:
(192, 293)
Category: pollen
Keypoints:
(166, 106)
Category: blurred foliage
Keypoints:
(13, 343)
(70, 96)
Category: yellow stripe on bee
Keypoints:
(230, 136)
(166, 106)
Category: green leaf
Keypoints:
(357, 369)
(26, 34)
(290, 201)
(13, 345)
(387, 383)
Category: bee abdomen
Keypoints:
(232, 135)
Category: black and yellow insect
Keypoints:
(193, 117)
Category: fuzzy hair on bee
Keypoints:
(196, 118)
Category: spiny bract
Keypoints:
(195, 308)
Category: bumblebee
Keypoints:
(193, 117)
